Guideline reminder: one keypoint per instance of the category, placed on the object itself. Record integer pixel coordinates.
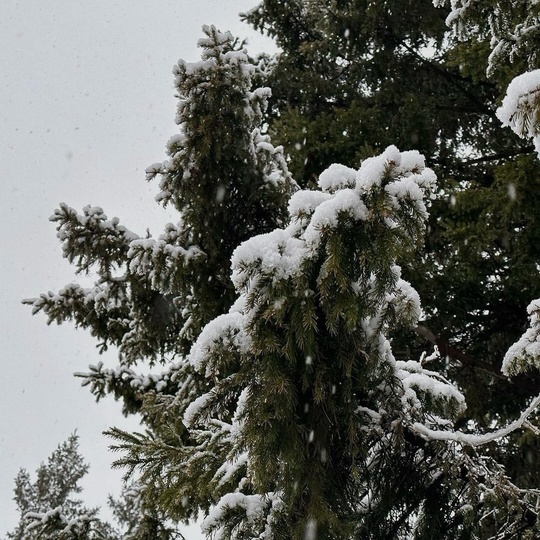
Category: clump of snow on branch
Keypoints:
(103, 381)
(405, 300)
(152, 258)
(419, 382)
(257, 513)
(336, 177)
(224, 332)
(525, 353)
(346, 196)
(520, 109)
(253, 505)
(83, 235)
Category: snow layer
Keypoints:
(254, 507)
(224, 332)
(336, 177)
(282, 252)
(194, 409)
(277, 252)
(415, 379)
(525, 353)
(329, 213)
(520, 109)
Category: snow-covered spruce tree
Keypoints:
(308, 427)
(48, 509)
(47, 505)
(228, 182)
(355, 77)
(153, 296)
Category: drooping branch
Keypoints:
(471, 439)
(454, 78)
(529, 149)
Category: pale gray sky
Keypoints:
(86, 104)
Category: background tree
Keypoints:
(510, 33)
(49, 510)
(362, 75)
(47, 505)
(354, 77)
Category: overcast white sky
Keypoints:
(86, 104)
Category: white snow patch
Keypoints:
(336, 177)
(520, 108)
(525, 353)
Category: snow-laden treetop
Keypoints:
(388, 188)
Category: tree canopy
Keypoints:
(355, 77)
(306, 391)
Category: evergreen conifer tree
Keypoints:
(153, 296)
(47, 506)
(48, 509)
(307, 425)
(286, 414)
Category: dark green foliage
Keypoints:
(354, 77)
(363, 76)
